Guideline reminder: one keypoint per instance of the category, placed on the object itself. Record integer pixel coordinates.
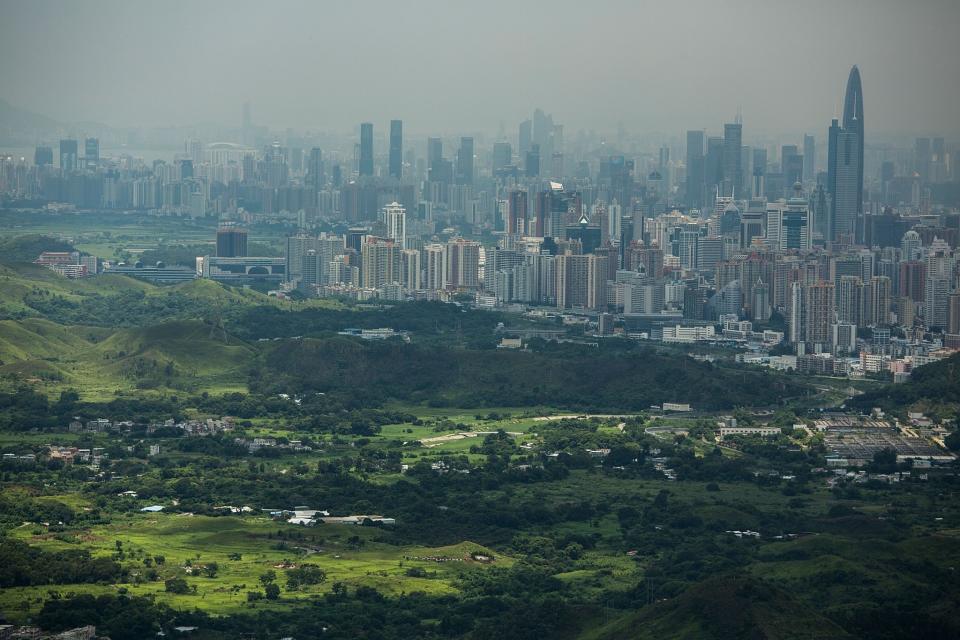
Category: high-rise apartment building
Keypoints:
(395, 217)
(462, 264)
(379, 262)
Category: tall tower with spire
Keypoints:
(853, 123)
(845, 166)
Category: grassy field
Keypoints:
(190, 542)
(108, 234)
(101, 363)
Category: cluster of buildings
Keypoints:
(842, 247)
(852, 440)
(69, 264)
(207, 427)
(256, 444)
(311, 517)
(65, 454)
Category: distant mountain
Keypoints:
(15, 119)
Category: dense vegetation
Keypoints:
(935, 386)
(511, 521)
(572, 377)
(26, 248)
(22, 565)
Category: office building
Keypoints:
(465, 162)
(732, 166)
(231, 242)
(91, 152)
(43, 156)
(843, 173)
(502, 157)
(68, 156)
(366, 149)
(695, 169)
(314, 177)
(845, 166)
(809, 158)
(396, 149)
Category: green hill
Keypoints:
(570, 377)
(724, 609)
(26, 248)
(188, 347)
(36, 338)
(100, 362)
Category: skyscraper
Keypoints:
(91, 152)
(695, 169)
(732, 159)
(818, 314)
(43, 155)
(395, 217)
(525, 137)
(853, 124)
(68, 155)
(809, 158)
(517, 212)
(435, 163)
(298, 247)
(921, 157)
(315, 177)
(380, 261)
(843, 174)
(366, 149)
(465, 161)
(502, 156)
(396, 149)
(462, 264)
(791, 165)
(795, 232)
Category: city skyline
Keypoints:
(673, 77)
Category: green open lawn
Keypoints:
(196, 540)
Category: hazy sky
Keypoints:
(447, 66)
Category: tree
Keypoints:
(272, 591)
(268, 577)
(305, 574)
(953, 441)
(210, 569)
(176, 585)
